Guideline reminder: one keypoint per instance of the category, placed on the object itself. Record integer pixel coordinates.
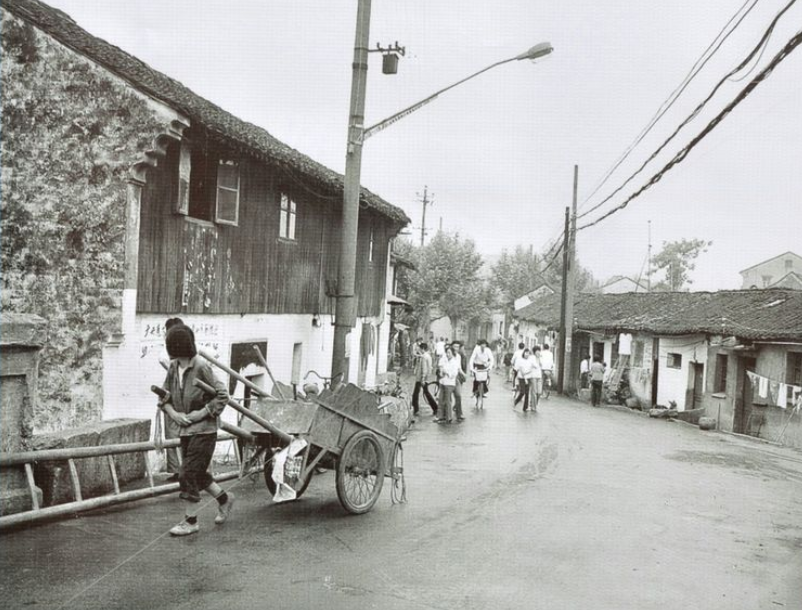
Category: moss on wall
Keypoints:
(70, 132)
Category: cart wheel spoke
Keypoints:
(360, 472)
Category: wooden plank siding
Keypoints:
(193, 266)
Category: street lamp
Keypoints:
(345, 309)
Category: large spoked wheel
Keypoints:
(271, 484)
(360, 472)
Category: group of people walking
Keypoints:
(448, 371)
(530, 371)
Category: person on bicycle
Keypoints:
(481, 363)
(524, 375)
(547, 366)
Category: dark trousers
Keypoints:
(426, 395)
(196, 452)
(595, 392)
(524, 389)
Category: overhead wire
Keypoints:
(669, 102)
(661, 111)
(695, 112)
(789, 47)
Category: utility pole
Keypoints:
(568, 379)
(440, 229)
(425, 201)
(564, 294)
(345, 312)
(649, 261)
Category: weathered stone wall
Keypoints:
(21, 339)
(70, 132)
(94, 473)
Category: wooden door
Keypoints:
(743, 403)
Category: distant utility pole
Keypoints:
(567, 384)
(425, 201)
(649, 262)
(440, 229)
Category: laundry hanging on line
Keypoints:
(767, 391)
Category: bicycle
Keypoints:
(327, 381)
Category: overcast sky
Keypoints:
(498, 152)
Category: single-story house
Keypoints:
(737, 353)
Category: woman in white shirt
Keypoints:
(525, 374)
(449, 369)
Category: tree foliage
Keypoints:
(446, 279)
(675, 261)
(69, 134)
(515, 274)
(518, 273)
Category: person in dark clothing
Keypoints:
(196, 412)
(423, 373)
(596, 381)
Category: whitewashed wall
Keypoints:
(673, 383)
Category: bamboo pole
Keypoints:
(267, 368)
(287, 438)
(255, 388)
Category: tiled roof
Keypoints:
(252, 138)
(771, 314)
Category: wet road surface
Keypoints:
(569, 507)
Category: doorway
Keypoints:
(695, 391)
(743, 403)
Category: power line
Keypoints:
(680, 156)
(669, 102)
(698, 108)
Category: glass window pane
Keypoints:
(292, 207)
(292, 226)
(228, 175)
(282, 224)
(285, 202)
(227, 205)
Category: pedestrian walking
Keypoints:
(547, 366)
(536, 387)
(515, 355)
(423, 374)
(197, 413)
(171, 428)
(449, 369)
(596, 381)
(524, 374)
(459, 352)
(584, 371)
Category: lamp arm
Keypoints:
(366, 133)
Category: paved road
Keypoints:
(571, 507)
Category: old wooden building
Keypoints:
(205, 216)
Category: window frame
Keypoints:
(288, 218)
(221, 162)
(674, 360)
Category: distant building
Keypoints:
(735, 353)
(619, 284)
(783, 271)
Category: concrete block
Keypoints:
(93, 473)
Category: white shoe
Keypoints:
(185, 529)
(223, 510)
